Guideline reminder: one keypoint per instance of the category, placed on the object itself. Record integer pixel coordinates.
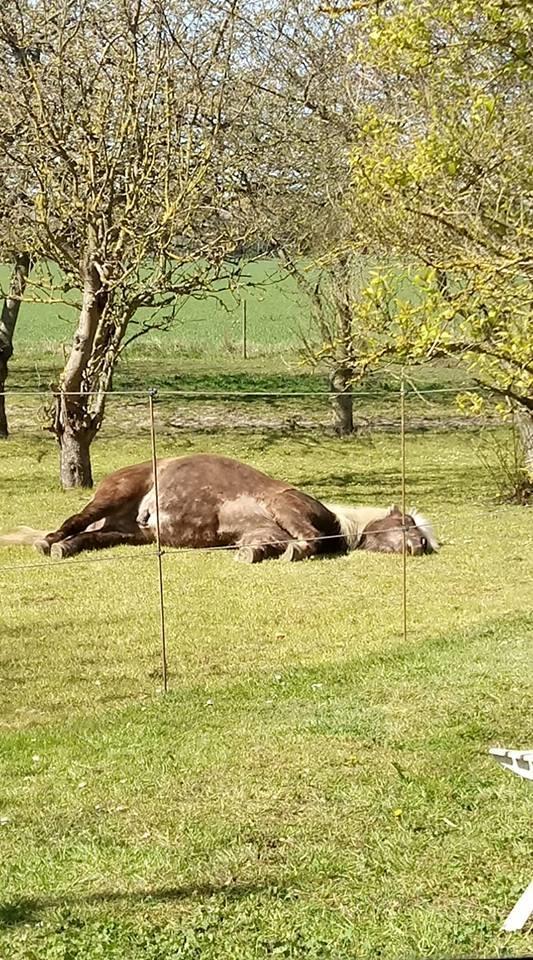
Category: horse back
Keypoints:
(220, 478)
(124, 487)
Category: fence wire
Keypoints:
(180, 551)
(418, 390)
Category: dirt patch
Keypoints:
(209, 422)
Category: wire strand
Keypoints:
(178, 551)
(218, 394)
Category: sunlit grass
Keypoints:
(314, 785)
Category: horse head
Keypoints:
(387, 535)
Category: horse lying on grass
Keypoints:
(212, 501)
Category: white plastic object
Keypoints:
(521, 763)
(517, 761)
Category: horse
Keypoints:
(208, 501)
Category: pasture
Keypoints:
(311, 786)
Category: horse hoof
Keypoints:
(42, 547)
(58, 551)
(248, 555)
(290, 554)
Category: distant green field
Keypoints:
(276, 310)
(203, 348)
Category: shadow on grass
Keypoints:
(139, 375)
(383, 486)
(26, 910)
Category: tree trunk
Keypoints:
(75, 425)
(8, 322)
(4, 430)
(524, 421)
(75, 458)
(339, 383)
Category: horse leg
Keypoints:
(292, 514)
(94, 540)
(261, 543)
(97, 509)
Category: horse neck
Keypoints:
(353, 520)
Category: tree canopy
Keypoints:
(121, 170)
(442, 183)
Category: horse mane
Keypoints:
(426, 529)
(353, 520)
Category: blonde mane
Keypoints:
(353, 521)
(425, 527)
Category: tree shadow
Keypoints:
(272, 438)
(238, 383)
(379, 485)
(26, 910)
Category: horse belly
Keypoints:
(183, 522)
(207, 501)
(199, 522)
(240, 516)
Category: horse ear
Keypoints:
(395, 510)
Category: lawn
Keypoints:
(313, 785)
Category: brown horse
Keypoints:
(211, 501)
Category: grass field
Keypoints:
(276, 310)
(312, 786)
(202, 353)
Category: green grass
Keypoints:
(313, 786)
(303, 400)
(275, 312)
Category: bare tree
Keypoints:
(306, 84)
(13, 216)
(132, 174)
(334, 296)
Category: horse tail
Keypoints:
(22, 536)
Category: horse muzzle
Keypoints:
(416, 548)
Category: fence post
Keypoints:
(244, 331)
(403, 473)
(152, 394)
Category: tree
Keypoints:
(130, 177)
(334, 293)
(8, 321)
(442, 183)
(305, 82)
(13, 215)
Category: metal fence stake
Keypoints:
(404, 531)
(152, 394)
(244, 330)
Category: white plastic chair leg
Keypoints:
(521, 911)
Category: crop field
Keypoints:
(314, 785)
(275, 314)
